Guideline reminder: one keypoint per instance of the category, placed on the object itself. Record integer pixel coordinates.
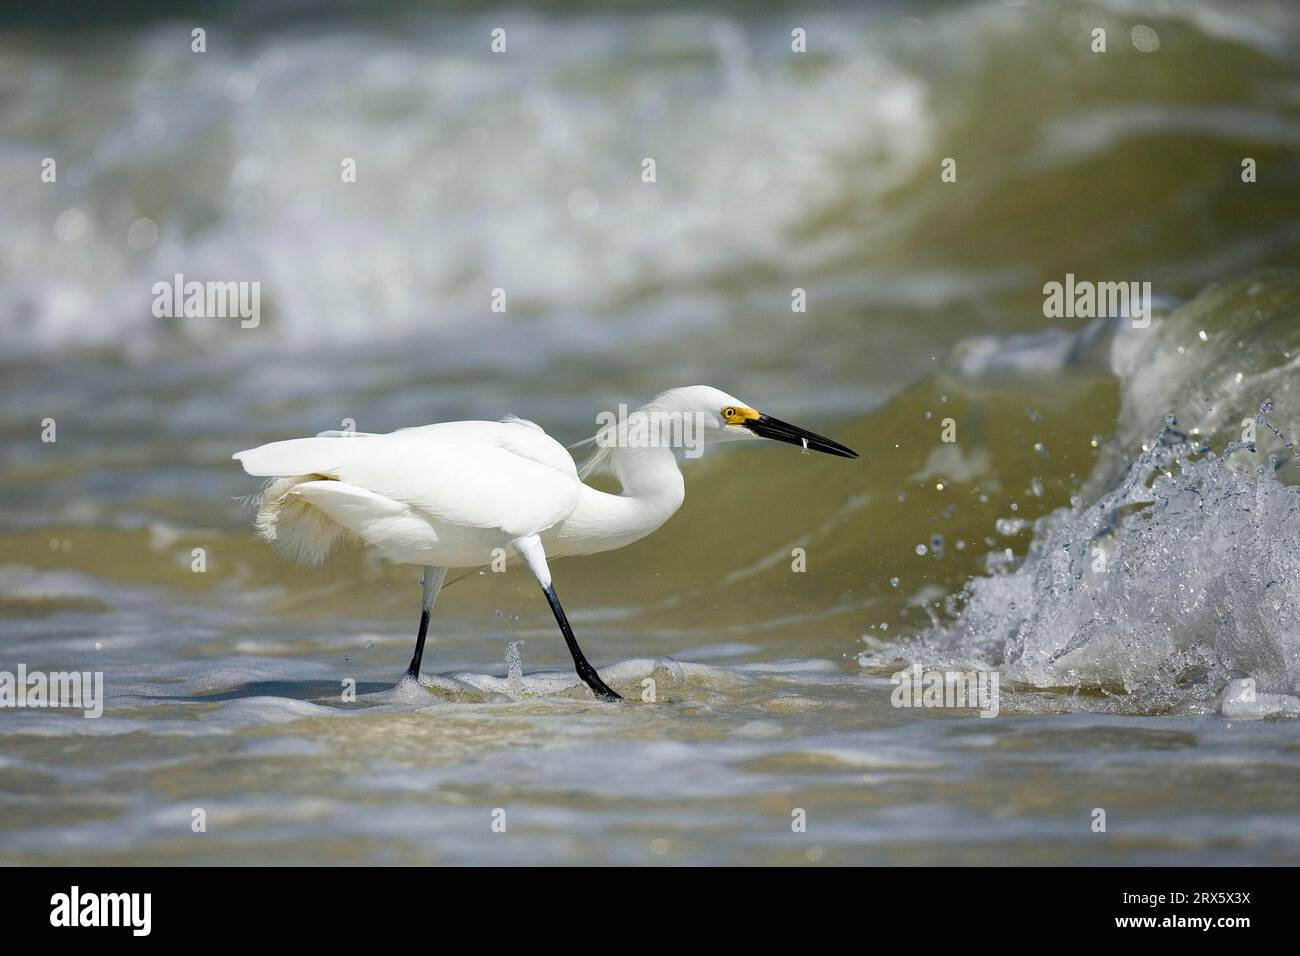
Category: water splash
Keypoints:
(514, 671)
(1181, 579)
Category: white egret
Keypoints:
(448, 495)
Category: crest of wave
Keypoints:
(1183, 578)
(1172, 582)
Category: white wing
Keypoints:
(516, 435)
(501, 475)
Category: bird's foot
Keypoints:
(598, 687)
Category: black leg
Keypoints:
(432, 584)
(414, 669)
(580, 663)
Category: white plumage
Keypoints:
(443, 495)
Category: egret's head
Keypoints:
(724, 417)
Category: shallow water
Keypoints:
(228, 690)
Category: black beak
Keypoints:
(765, 426)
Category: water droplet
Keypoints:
(142, 234)
(1144, 38)
(583, 203)
(71, 225)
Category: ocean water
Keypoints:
(1115, 530)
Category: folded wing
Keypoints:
(506, 476)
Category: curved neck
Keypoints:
(652, 491)
(647, 474)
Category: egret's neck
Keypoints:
(648, 474)
(652, 490)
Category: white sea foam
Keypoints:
(470, 187)
(1176, 574)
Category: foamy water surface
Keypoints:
(266, 695)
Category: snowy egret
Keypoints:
(455, 494)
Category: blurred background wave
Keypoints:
(522, 171)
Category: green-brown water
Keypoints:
(818, 171)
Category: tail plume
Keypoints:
(292, 525)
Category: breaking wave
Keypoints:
(1181, 579)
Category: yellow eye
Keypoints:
(728, 413)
